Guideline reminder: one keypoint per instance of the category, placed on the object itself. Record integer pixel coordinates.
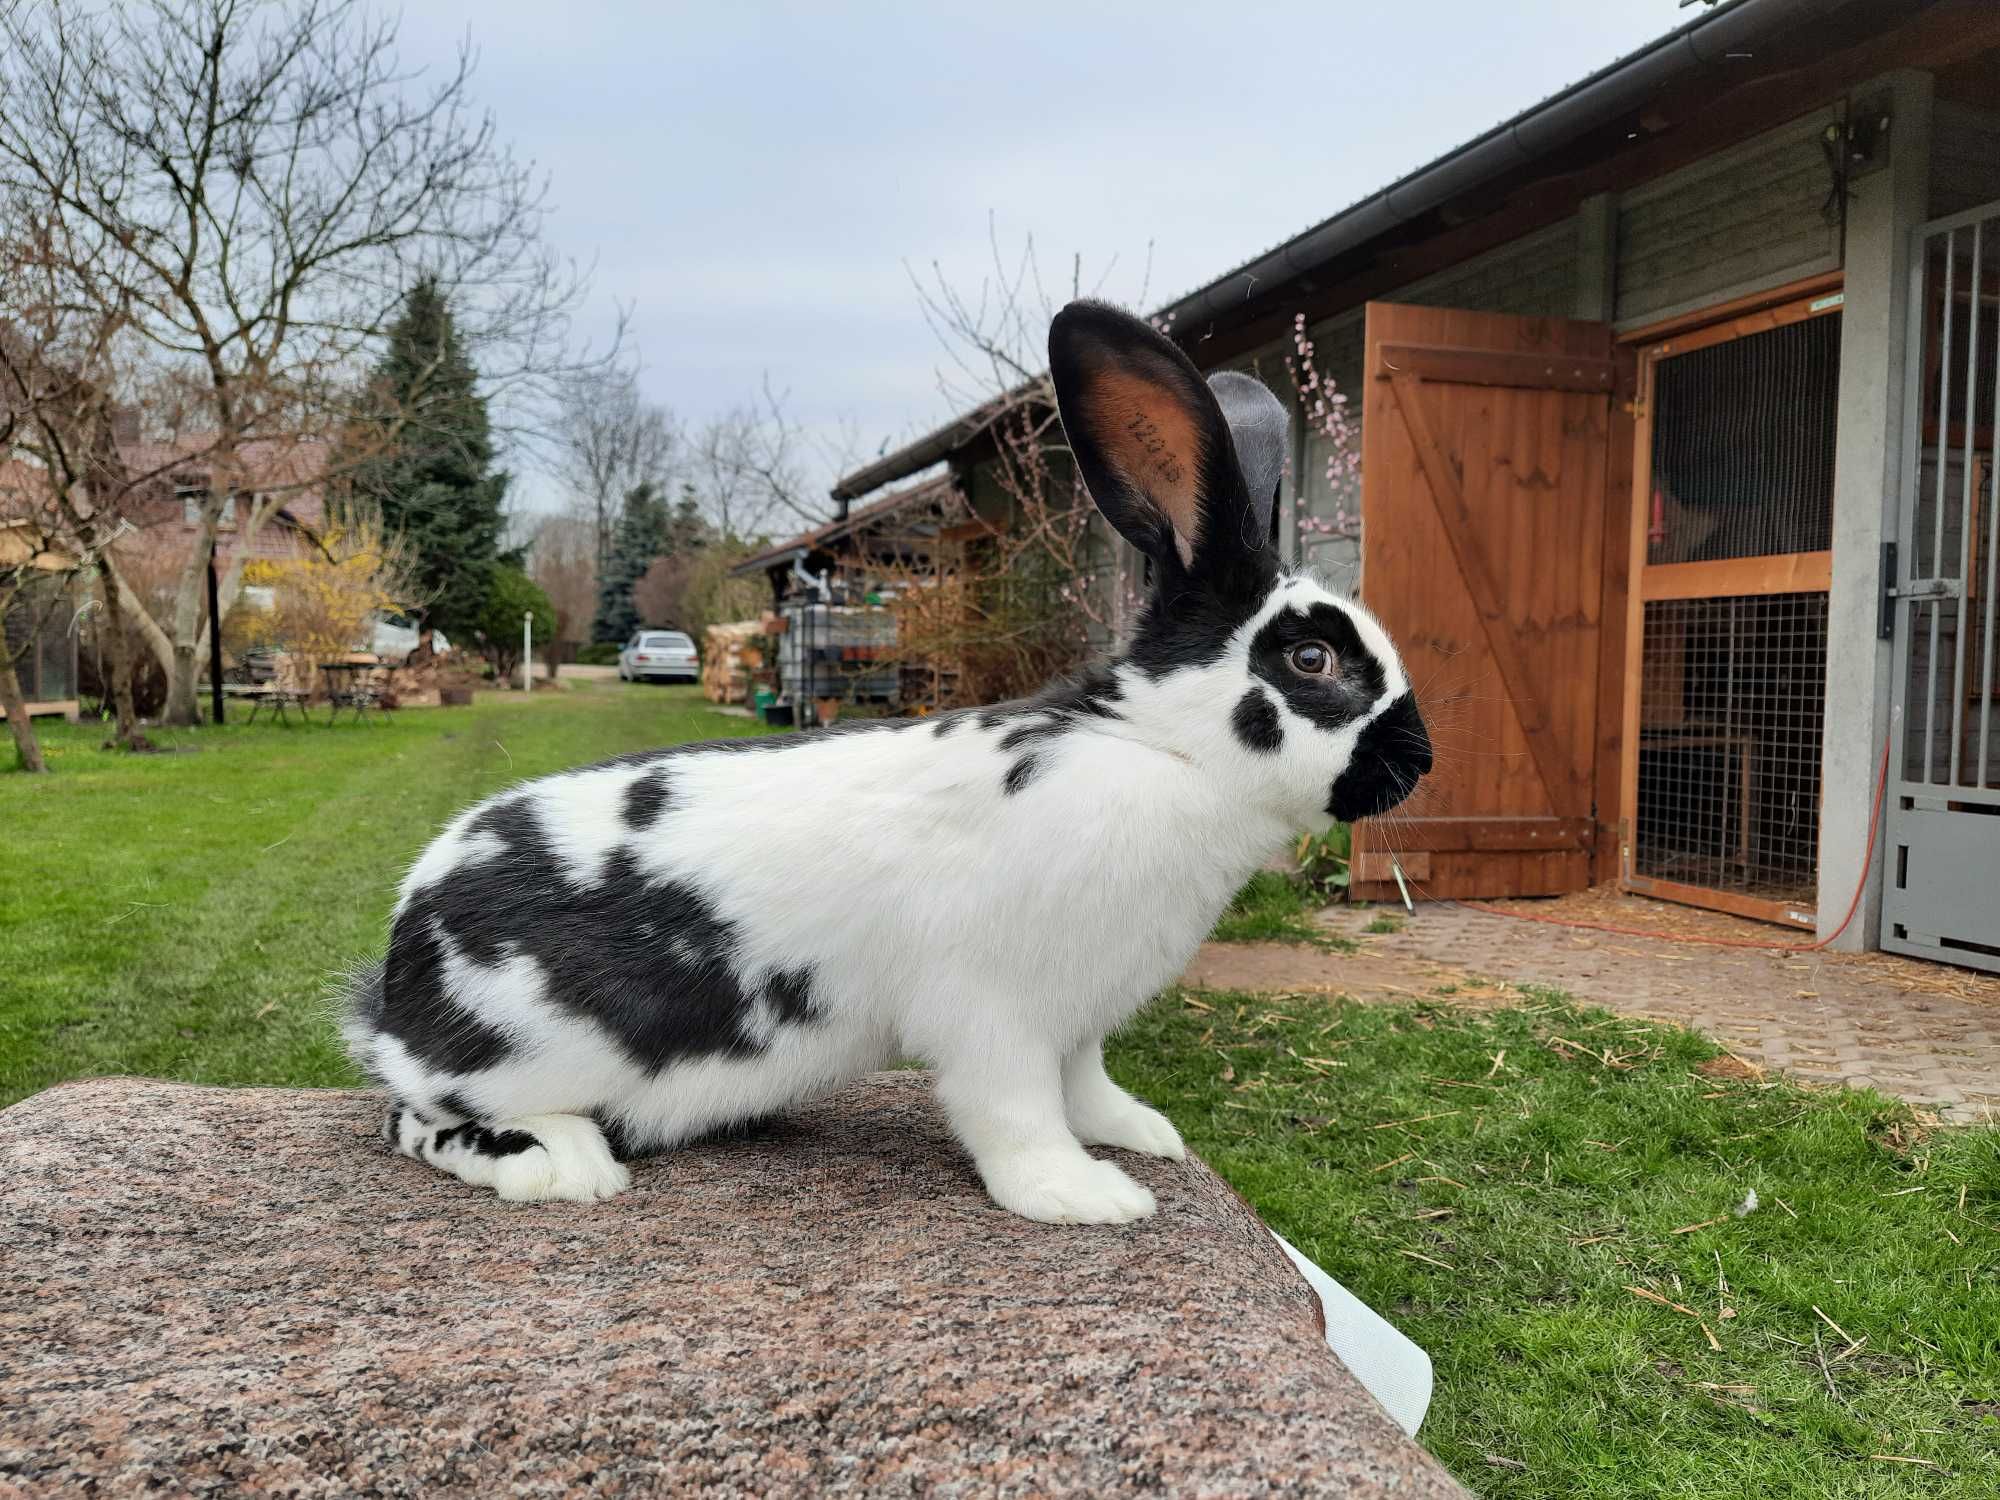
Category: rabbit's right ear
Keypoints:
(1150, 440)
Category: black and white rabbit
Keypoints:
(621, 958)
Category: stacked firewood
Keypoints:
(730, 656)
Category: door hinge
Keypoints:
(1635, 409)
(1885, 615)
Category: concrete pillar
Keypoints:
(1883, 205)
(1597, 259)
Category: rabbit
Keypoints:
(611, 961)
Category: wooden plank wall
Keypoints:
(1742, 220)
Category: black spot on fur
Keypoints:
(478, 1139)
(645, 799)
(1090, 694)
(648, 960)
(1057, 710)
(457, 1104)
(1330, 702)
(1031, 732)
(502, 1142)
(1392, 755)
(945, 724)
(416, 1009)
(789, 992)
(392, 1128)
(1256, 722)
(1191, 627)
(1021, 773)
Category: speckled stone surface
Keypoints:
(215, 1291)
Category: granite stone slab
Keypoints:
(229, 1290)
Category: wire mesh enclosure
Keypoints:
(1743, 446)
(1732, 713)
(39, 639)
(1738, 443)
(1941, 898)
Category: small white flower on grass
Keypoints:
(1748, 1205)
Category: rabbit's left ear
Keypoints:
(1261, 428)
(1150, 441)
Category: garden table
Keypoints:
(350, 688)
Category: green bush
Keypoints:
(598, 654)
(513, 595)
(1321, 860)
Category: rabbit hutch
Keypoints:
(1732, 537)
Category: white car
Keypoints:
(659, 656)
(396, 636)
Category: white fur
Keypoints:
(998, 938)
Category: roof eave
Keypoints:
(1614, 90)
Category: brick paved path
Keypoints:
(1925, 1032)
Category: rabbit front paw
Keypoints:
(571, 1161)
(1067, 1188)
(1130, 1126)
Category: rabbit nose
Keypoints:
(1392, 755)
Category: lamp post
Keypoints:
(527, 650)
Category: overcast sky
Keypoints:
(754, 179)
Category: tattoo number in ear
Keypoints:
(1147, 431)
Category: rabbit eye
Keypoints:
(1314, 658)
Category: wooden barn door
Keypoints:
(1485, 492)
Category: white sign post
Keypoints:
(527, 650)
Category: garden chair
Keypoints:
(268, 680)
(353, 685)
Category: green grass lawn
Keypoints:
(180, 914)
(1546, 1200)
(1270, 909)
(1498, 1184)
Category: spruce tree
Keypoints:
(644, 533)
(435, 480)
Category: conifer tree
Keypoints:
(644, 533)
(435, 482)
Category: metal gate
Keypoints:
(1941, 894)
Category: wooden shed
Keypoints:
(36, 630)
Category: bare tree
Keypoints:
(246, 190)
(57, 370)
(1034, 578)
(612, 440)
(33, 567)
(749, 470)
(562, 559)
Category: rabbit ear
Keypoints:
(1262, 431)
(1149, 440)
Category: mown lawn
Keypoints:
(1545, 1199)
(180, 914)
(1548, 1201)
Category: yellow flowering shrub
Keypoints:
(324, 597)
